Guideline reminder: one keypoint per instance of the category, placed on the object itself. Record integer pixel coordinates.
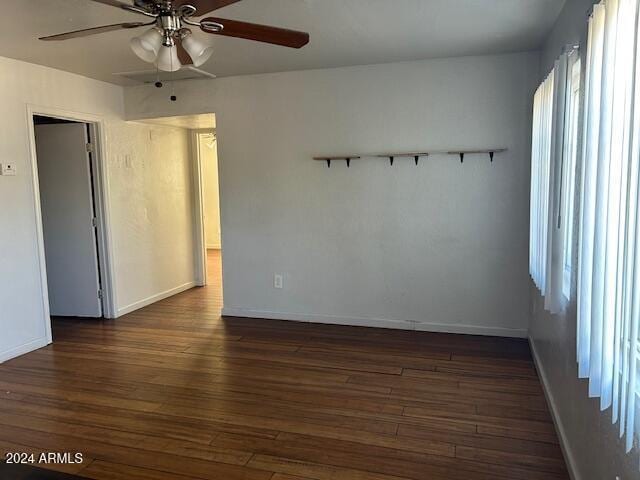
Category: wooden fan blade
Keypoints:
(259, 33)
(92, 31)
(185, 58)
(205, 6)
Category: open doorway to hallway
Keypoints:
(205, 197)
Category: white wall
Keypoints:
(23, 325)
(211, 194)
(438, 247)
(593, 448)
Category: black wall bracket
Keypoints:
(490, 152)
(392, 156)
(346, 158)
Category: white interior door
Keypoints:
(66, 197)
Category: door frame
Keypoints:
(101, 199)
(200, 242)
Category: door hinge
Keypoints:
(89, 147)
(100, 294)
(94, 222)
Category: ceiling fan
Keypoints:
(169, 43)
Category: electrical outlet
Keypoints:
(278, 280)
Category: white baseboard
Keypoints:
(564, 442)
(374, 322)
(472, 330)
(155, 298)
(22, 349)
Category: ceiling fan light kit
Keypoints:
(147, 46)
(170, 44)
(197, 50)
(168, 60)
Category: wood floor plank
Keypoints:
(177, 427)
(484, 421)
(316, 471)
(166, 462)
(401, 460)
(174, 391)
(554, 465)
(280, 476)
(131, 440)
(499, 443)
(101, 470)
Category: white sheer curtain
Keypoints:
(609, 242)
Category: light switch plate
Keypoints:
(7, 169)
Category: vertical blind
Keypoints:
(609, 242)
(568, 187)
(608, 217)
(557, 229)
(552, 172)
(540, 167)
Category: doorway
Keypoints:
(205, 197)
(68, 194)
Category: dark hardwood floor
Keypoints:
(175, 392)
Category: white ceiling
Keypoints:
(343, 32)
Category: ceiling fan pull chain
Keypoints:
(158, 83)
(173, 97)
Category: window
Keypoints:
(608, 217)
(609, 237)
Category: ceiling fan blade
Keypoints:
(205, 6)
(259, 33)
(92, 31)
(113, 3)
(185, 58)
(126, 6)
